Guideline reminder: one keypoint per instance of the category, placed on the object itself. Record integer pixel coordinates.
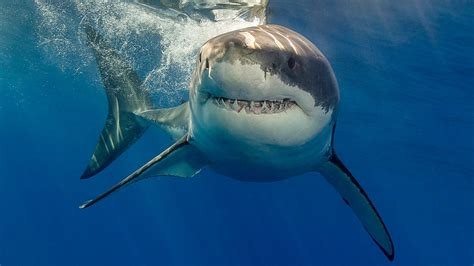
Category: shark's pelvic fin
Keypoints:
(173, 120)
(126, 97)
(354, 195)
(180, 159)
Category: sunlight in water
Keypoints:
(165, 35)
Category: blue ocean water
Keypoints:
(405, 129)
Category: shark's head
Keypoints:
(264, 84)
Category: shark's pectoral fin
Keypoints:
(186, 161)
(354, 195)
(180, 159)
(173, 120)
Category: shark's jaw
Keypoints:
(256, 107)
(269, 136)
(276, 121)
(273, 126)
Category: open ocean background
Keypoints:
(405, 129)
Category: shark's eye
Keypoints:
(291, 62)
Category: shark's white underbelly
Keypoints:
(260, 147)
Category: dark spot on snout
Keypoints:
(291, 63)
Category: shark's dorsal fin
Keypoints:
(354, 195)
(180, 159)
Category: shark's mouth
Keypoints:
(254, 107)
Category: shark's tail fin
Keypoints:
(126, 98)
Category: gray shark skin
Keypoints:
(262, 107)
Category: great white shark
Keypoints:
(263, 103)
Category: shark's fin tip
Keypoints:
(85, 204)
(87, 174)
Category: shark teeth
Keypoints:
(255, 107)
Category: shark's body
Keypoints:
(263, 103)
